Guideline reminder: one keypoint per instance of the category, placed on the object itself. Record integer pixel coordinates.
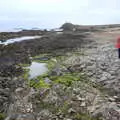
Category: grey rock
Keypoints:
(47, 80)
(21, 117)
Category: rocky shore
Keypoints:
(82, 82)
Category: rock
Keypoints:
(51, 98)
(116, 97)
(90, 74)
(67, 119)
(83, 104)
(19, 90)
(103, 78)
(71, 110)
(56, 72)
(68, 27)
(42, 58)
(21, 117)
(80, 99)
(47, 80)
(111, 99)
(12, 117)
(99, 64)
(44, 114)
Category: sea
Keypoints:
(15, 26)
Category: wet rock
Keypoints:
(56, 72)
(42, 58)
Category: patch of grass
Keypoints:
(67, 79)
(50, 64)
(39, 82)
(2, 116)
(26, 71)
(26, 74)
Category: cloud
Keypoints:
(55, 12)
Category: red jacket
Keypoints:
(118, 43)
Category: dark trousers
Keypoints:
(119, 53)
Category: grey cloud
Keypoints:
(52, 13)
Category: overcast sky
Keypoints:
(53, 13)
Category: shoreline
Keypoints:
(80, 82)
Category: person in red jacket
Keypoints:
(118, 46)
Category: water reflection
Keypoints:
(37, 69)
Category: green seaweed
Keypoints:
(39, 82)
(2, 116)
(26, 74)
(67, 79)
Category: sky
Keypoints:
(53, 13)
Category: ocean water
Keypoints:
(15, 26)
(9, 41)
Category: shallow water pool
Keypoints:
(37, 69)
